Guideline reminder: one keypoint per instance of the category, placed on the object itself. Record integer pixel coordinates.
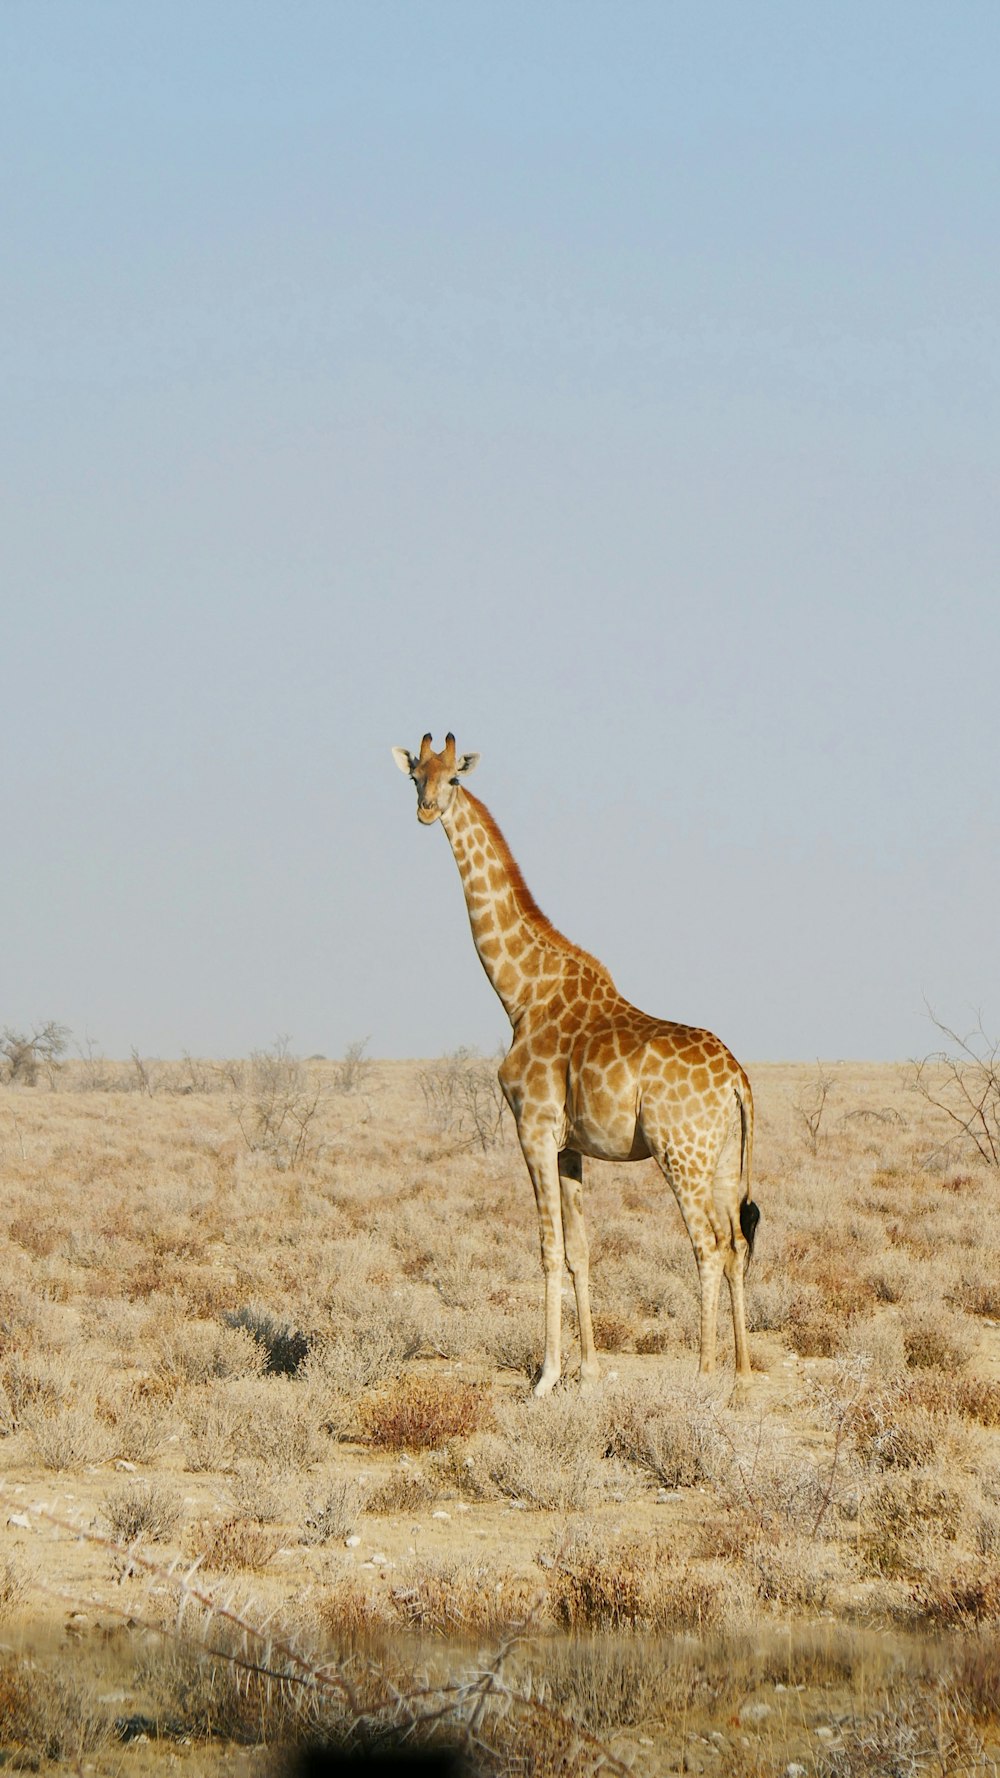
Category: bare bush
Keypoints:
(13, 1585)
(463, 1098)
(25, 1054)
(48, 1716)
(810, 1114)
(547, 1455)
(198, 1351)
(334, 1515)
(142, 1509)
(630, 1585)
(69, 1435)
(962, 1080)
(275, 1105)
(351, 1072)
(234, 1544)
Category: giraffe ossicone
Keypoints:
(587, 1073)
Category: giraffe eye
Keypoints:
(454, 780)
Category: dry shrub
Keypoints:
(334, 1515)
(903, 1518)
(235, 1544)
(977, 1289)
(199, 1351)
(634, 1585)
(352, 1616)
(654, 1340)
(285, 1348)
(957, 1598)
(877, 1341)
(975, 1675)
(21, 1318)
(912, 1733)
(70, 1435)
(889, 1433)
(663, 1431)
(835, 1274)
(405, 1490)
(891, 1279)
(363, 1354)
(31, 1383)
(987, 1534)
(265, 1420)
(424, 1413)
(612, 1333)
(462, 1598)
(139, 1427)
(142, 1509)
(813, 1329)
(47, 1716)
(212, 1697)
(13, 1585)
(510, 1340)
(38, 1237)
(545, 1454)
(211, 1437)
(259, 1494)
(793, 1570)
(611, 1683)
(972, 1398)
(935, 1340)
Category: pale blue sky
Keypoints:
(613, 384)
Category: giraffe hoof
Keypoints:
(546, 1384)
(743, 1391)
(590, 1375)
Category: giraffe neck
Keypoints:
(518, 947)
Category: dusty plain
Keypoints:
(267, 1333)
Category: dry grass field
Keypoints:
(270, 1463)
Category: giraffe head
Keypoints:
(436, 775)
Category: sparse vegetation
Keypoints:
(145, 1509)
(462, 1095)
(285, 1348)
(24, 1055)
(275, 1104)
(352, 1071)
(424, 1413)
(321, 1373)
(962, 1080)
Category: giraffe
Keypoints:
(589, 1074)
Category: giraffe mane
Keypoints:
(527, 905)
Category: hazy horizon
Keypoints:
(616, 387)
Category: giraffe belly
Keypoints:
(602, 1107)
(608, 1134)
(608, 1145)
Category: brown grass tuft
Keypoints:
(234, 1545)
(424, 1414)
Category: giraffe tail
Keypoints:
(749, 1212)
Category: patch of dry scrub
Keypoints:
(313, 1368)
(424, 1414)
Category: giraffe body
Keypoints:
(589, 1074)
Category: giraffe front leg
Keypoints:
(541, 1156)
(578, 1257)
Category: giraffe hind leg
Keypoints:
(742, 1216)
(690, 1176)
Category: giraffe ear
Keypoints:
(467, 762)
(404, 760)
